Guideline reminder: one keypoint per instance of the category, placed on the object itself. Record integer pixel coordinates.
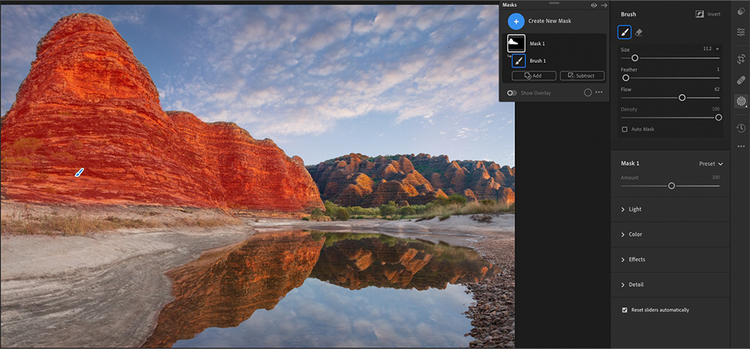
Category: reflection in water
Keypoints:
(356, 261)
(412, 303)
(224, 287)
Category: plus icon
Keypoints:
(516, 21)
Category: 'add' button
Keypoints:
(516, 21)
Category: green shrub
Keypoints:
(444, 217)
(341, 214)
(388, 209)
(440, 202)
(457, 199)
(360, 211)
(330, 208)
(419, 209)
(406, 211)
(488, 202)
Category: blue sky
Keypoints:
(318, 314)
(321, 81)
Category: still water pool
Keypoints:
(315, 289)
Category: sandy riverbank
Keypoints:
(106, 289)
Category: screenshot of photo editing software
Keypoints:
(343, 174)
(632, 148)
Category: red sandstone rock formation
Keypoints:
(225, 286)
(410, 179)
(89, 103)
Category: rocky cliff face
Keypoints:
(358, 180)
(89, 103)
(225, 286)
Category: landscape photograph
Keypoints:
(255, 176)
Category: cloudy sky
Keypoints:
(319, 314)
(321, 81)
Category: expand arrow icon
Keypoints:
(622, 209)
(623, 259)
(622, 285)
(623, 235)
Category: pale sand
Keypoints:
(107, 289)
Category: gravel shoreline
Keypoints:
(494, 314)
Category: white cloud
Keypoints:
(362, 27)
(385, 20)
(253, 32)
(334, 33)
(263, 97)
(411, 112)
(130, 14)
(327, 69)
(488, 15)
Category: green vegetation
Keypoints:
(316, 215)
(440, 252)
(443, 207)
(468, 209)
(453, 199)
(342, 214)
(361, 211)
(406, 211)
(332, 238)
(336, 212)
(388, 209)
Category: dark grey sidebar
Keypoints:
(680, 167)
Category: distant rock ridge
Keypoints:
(359, 180)
(89, 103)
